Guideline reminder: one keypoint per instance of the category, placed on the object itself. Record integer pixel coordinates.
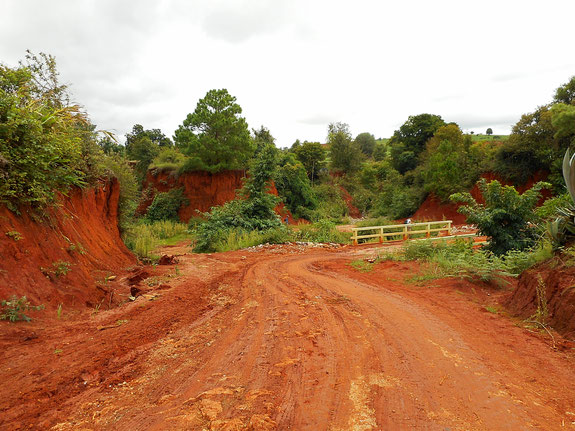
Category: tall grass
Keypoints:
(462, 260)
(144, 238)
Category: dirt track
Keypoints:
(289, 340)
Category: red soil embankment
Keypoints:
(433, 209)
(61, 257)
(203, 190)
(354, 212)
(557, 280)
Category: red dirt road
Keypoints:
(287, 339)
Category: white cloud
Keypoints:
(297, 65)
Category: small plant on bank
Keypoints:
(13, 309)
(15, 235)
(61, 268)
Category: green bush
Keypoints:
(119, 168)
(169, 159)
(46, 144)
(506, 217)
(331, 205)
(13, 309)
(166, 205)
(321, 231)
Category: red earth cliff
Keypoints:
(64, 256)
(203, 190)
(433, 209)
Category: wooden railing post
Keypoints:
(381, 235)
(448, 228)
(428, 233)
(405, 232)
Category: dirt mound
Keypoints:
(203, 190)
(65, 255)
(557, 281)
(433, 209)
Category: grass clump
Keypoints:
(322, 231)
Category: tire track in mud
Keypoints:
(290, 346)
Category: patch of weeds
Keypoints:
(59, 311)
(13, 309)
(121, 322)
(491, 309)
(15, 235)
(362, 265)
(61, 267)
(77, 247)
(542, 313)
(58, 351)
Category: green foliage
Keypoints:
(399, 196)
(331, 205)
(168, 159)
(253, 211)
(13, 309)
(344, 153)
(566, 93)
(215, 136)
(449, 165)
(142, 238)
(563, 120)
(293, 186)
(409, 141)
(166, 205)
(549, 209)
(118, 167)
(61, 268)
(14, 234)
(489, 131)
(366, 143)
(144, 151)
(46, 143)
(381, 150)
(236, 239)
(312, 155)
(322, 231)
(506, 216)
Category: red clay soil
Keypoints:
(433, 209)
(203, 190)
(352, 209)
(555, 279)
(64, 256)
(287, 338)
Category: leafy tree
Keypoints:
(381, 150)
(144, 151)
(506, 216)
(261, 138)
(344, 153)
(166, 205)
(294, 186)
(489, 131)
(366, 142)
(155, 135)
(110, 147)
(448, 166)
(215, 136)
(563, 120)
(409, 141)
(312, 156)
(566, 93)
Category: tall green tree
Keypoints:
(215, 136)
(448, 166)
(312, 155)
(566, 93)
(408, 142)
(366, 142)
(344, 153)
(293, 185)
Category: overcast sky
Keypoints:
(297, 65)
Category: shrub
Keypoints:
(13, 309)
(169, 159)
(321, 231)
(166, 205)
(46, 143)
(506, 216)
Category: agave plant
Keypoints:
(558, 230)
